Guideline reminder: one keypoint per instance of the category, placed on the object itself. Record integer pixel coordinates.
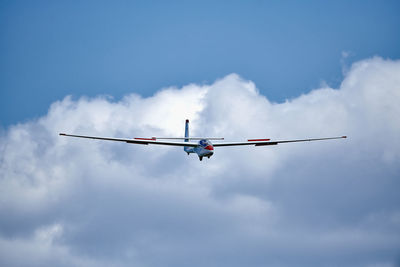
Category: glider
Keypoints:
(203, 148)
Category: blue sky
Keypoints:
(50, 49)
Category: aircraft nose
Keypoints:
(209, 147)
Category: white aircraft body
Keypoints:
(203, 148)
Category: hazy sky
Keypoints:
(260, 69)
(50, 49)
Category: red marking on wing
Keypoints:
(251, 140)
(153, 138)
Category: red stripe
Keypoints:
(145, 138)
(251, 140)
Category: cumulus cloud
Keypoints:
(76, 202)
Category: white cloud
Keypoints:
(65, 201)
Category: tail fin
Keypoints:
(187, 130)
(187, 148)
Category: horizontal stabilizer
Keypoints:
(179, 138)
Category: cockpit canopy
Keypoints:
(205, 143)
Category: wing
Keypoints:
(141, 141)
(267, 142)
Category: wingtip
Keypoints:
(62, 134)
(344, 136)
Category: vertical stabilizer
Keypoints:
(187, 148)
(187, 130)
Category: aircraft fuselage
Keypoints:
(204, 149)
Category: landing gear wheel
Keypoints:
(200, 158)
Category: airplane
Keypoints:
(203, 148)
